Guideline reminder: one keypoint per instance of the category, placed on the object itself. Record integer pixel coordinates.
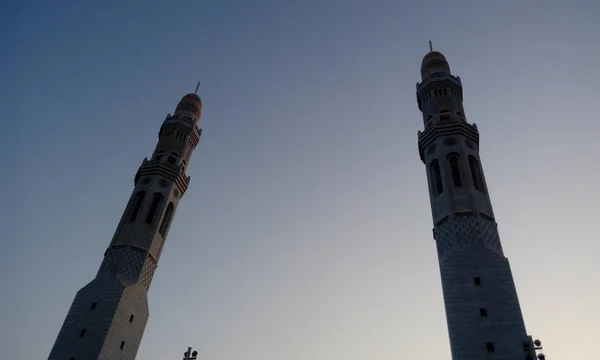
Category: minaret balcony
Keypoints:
(172, 126)
(431, 133)
(447, 81)
(163, 162)
(162, 167)
(437, 77)
(187, 118)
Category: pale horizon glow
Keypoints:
(306, 230)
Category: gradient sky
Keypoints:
(306, 231)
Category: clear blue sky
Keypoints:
(306, 231)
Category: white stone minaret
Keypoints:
(482, 309)
(108, 316)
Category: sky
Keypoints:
(306, 230)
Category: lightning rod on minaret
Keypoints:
(197, 86)
(430, 46)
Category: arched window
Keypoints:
(445, 115)
(156, 200)
(455, 169)
(172, 158)
(436, 177)
(475, 173)
(137, 204)
(159, 155)
(164, 226)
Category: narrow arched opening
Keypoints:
(137, 204)
(166, 222)
(156, 200)
(454, 161)
(159, 155)
(436, 178)
(475, 173)
(172, 158)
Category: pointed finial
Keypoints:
(197, 86)
(430, 46)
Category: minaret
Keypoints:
(482, 309)
(108, 315)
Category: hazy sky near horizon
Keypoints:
(306, 230)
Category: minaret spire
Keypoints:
(197, 86)
(430, 45)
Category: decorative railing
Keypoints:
(176, 170)
(174, 167)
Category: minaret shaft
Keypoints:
(482, 308)
(108, 316)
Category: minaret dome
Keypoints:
(190, 104)
(434, 61)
